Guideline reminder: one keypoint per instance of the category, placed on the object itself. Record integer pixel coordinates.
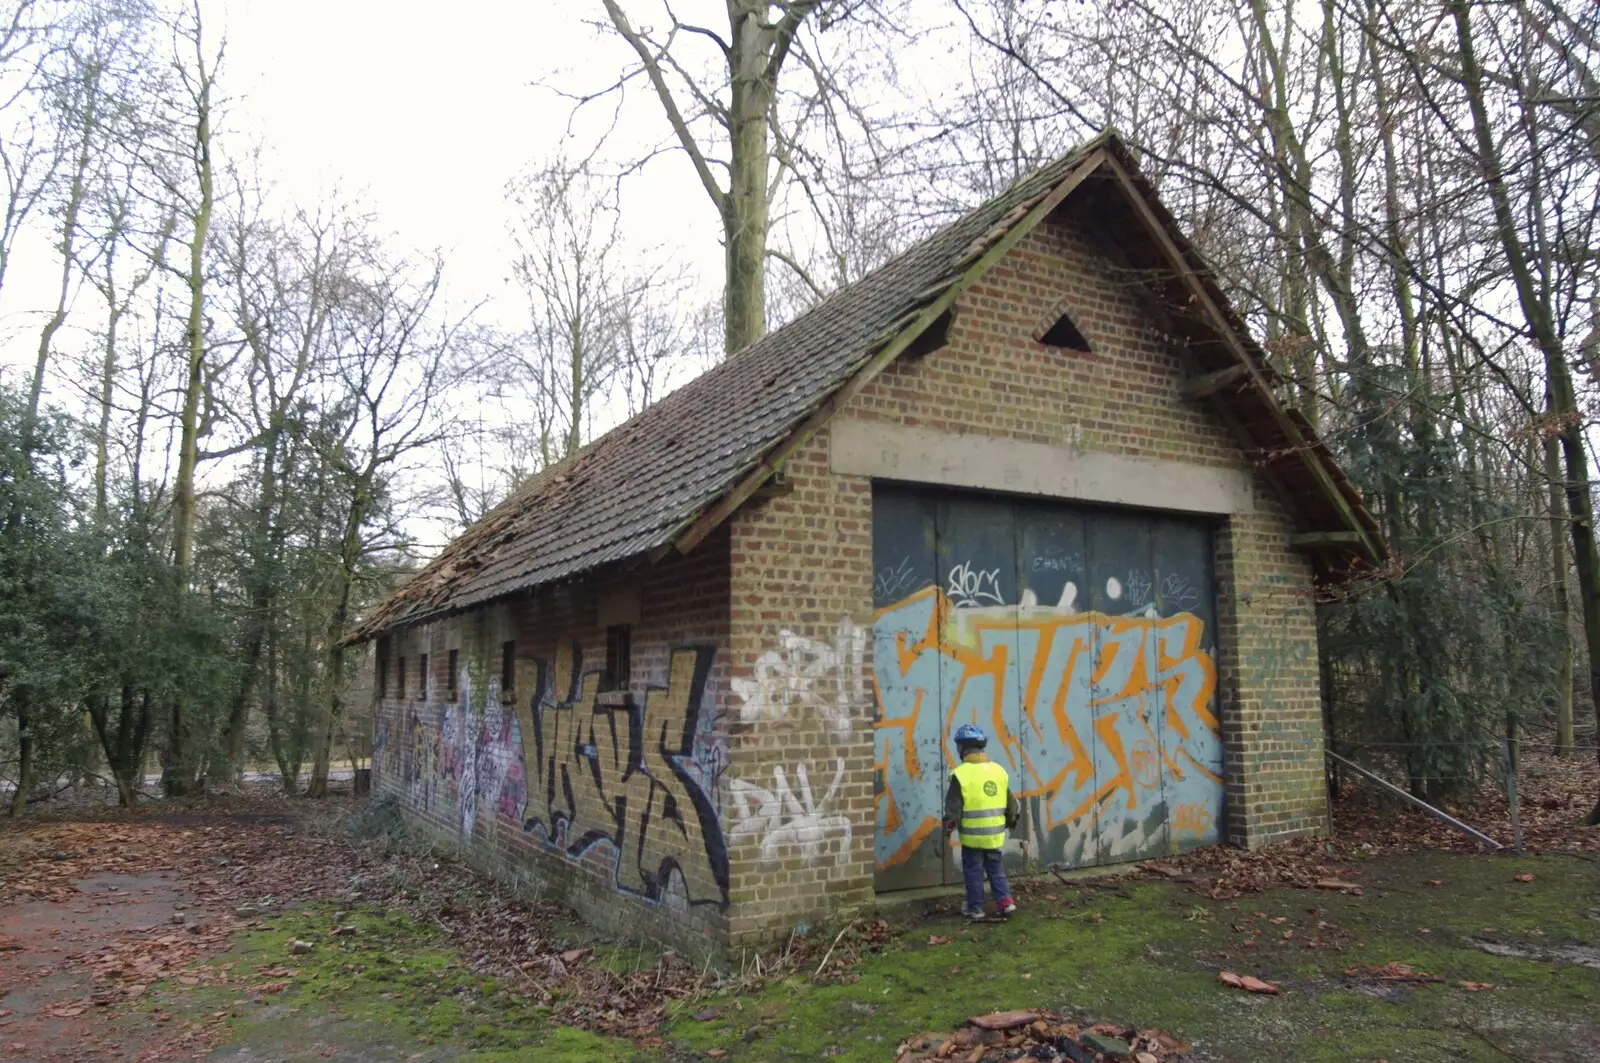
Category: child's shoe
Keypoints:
(975, 914)
(1007, 906)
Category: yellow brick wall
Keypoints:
(802, 582)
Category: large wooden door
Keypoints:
(1082, 641)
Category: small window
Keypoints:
(450, 681)
(400, 679)
(422, 677)
(1064, 333)
(380, 678)
(619, 657)
(508, 668)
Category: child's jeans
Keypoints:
(975, 863)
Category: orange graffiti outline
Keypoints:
(944, 636)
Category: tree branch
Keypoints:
(680, 128)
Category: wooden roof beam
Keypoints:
(1208, 384)
(1204, 302)
(1323, 540)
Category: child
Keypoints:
(980, 805)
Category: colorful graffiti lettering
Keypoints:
(459, 753)
(1105, 720)
(619, 776)
(1192, 819)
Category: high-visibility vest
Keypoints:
(983, 803)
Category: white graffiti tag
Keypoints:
(782, 817)
(970, 586)
(804, 675)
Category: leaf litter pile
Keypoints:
(1041, 1037)
(1554, 795)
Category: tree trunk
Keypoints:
(262, 575)
(102, 443)
(25, 760)
(323, 756)
(349, 553)
(69, 229)
(1559, 573)
(183, 500)
(1535, 311)
(744, 215)
(177, 776)
(124, 750)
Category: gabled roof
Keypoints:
(673, 472)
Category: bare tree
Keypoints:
(188, 172)
(389, 373)
(29, 153)
(721, 92)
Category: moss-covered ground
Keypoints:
(1128, 951)
(389, 988)
(1148, 954)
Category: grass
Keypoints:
(1140, 953)
(1147, 954)
(393, 989)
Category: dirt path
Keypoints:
(60, 994)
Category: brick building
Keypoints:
(698, 681)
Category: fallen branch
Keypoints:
(829, 954)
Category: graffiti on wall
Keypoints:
(619, 776)
(1106, 719)
(478, 747)
(796, 818)
(802, 676)
(460, 756)
(799, 679)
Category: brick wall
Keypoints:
(801, 582)
(759, 643)
(611, 805)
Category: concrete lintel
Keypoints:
(953, 459)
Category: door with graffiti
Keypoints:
(1082, 641)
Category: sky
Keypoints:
(420, 113)
(423, 112)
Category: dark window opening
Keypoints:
(380, 678)
(422, 677)
(450, 680)
(508, 668)
(619, 657)
(1064, 334)
(400, 677)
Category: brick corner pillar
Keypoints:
(1269, 684)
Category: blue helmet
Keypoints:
(971, 735)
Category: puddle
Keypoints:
(1577, 955)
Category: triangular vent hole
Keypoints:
(1064, 334)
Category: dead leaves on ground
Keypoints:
(1248, 983)
(1391, 972)
(1556, 794)
(1227, 874)
(1014, 1035)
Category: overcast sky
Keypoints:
(425, 110)
(419, 112)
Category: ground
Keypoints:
(257, 930)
